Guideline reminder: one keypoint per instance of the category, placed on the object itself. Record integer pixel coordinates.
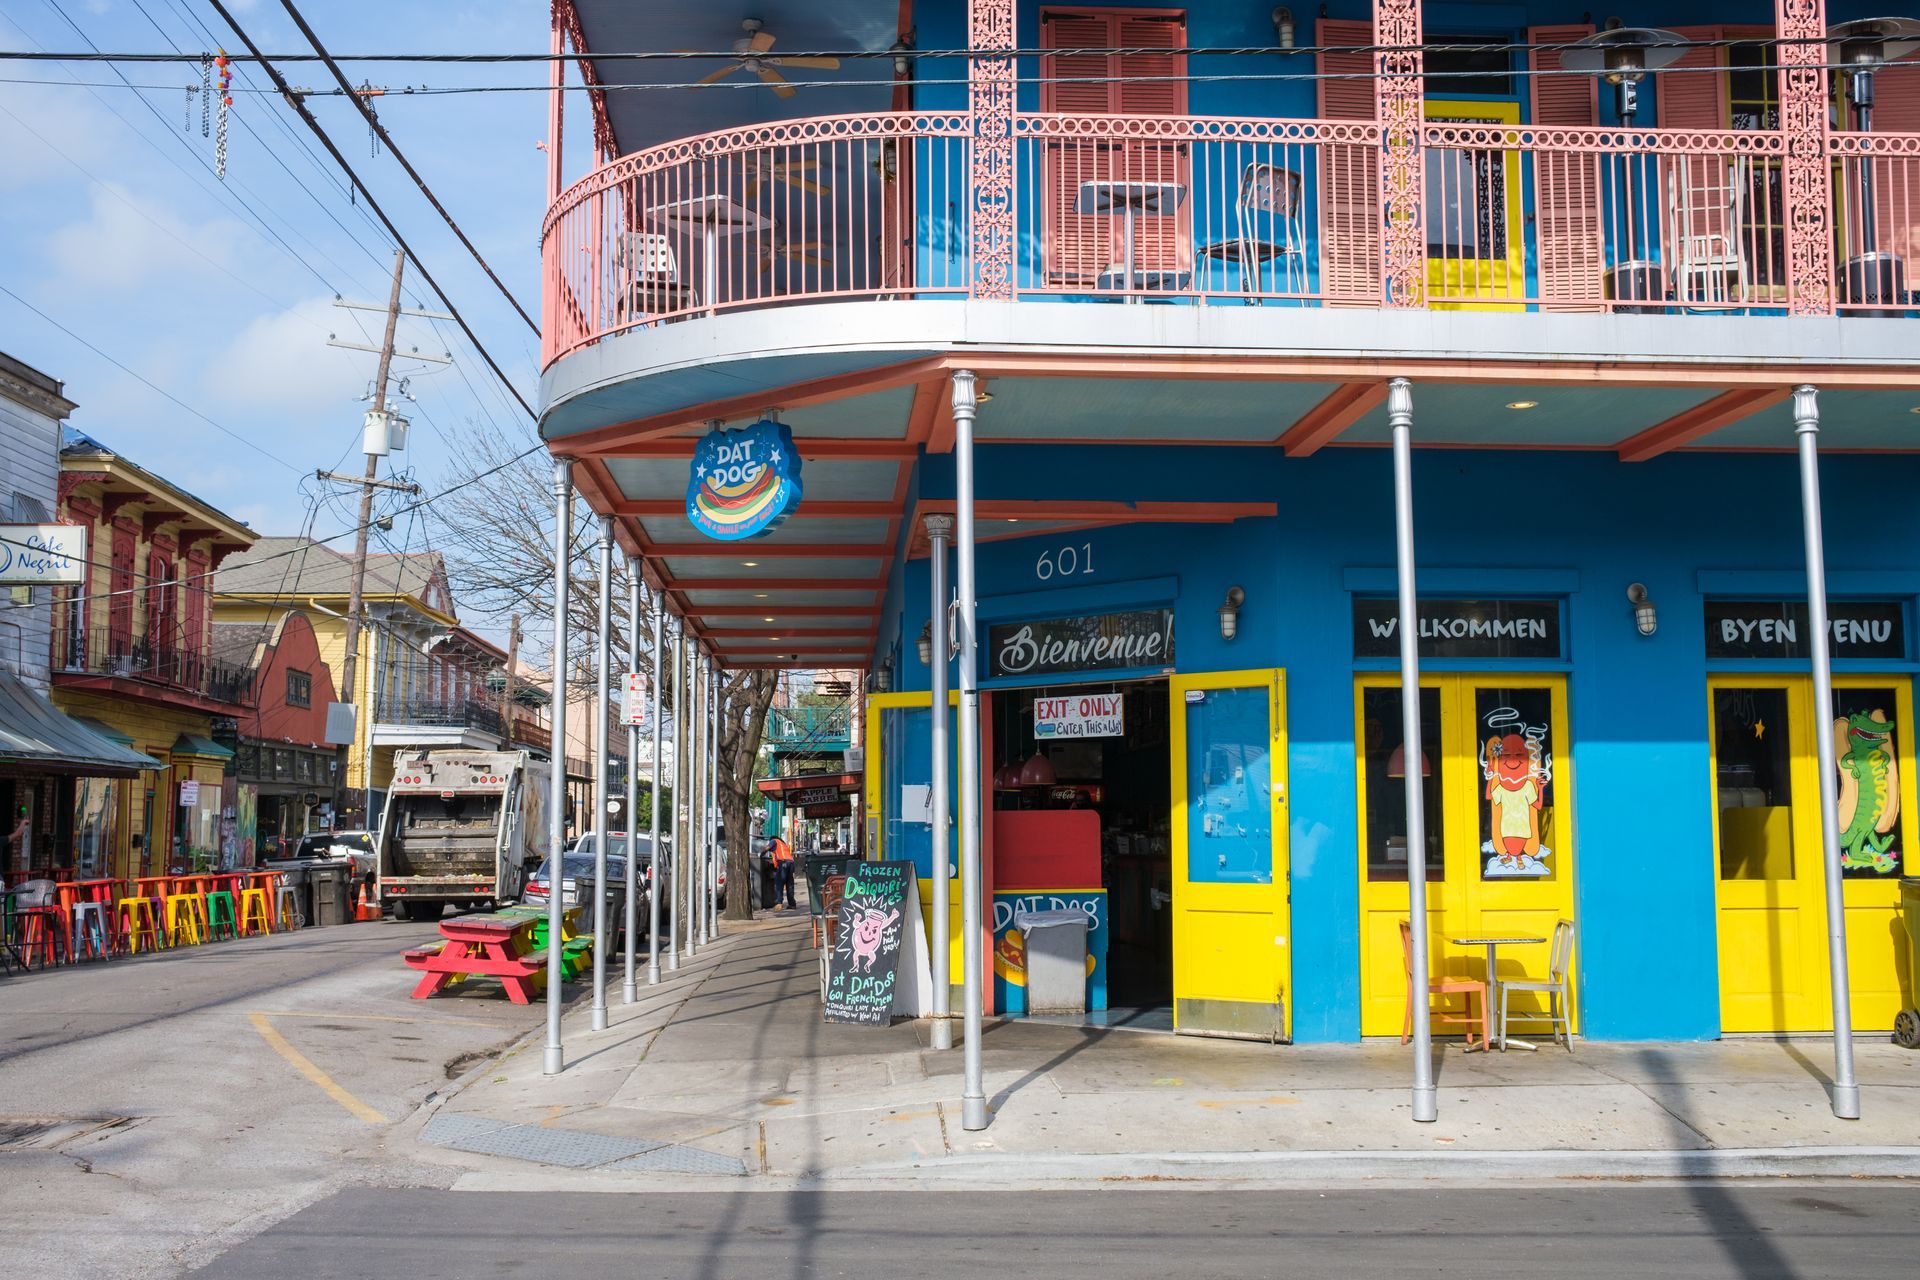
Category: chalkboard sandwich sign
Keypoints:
(864, 966)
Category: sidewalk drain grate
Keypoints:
(44, 1133)
(572, 1149)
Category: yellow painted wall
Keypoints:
(154, 729)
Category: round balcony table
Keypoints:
(1493, 944)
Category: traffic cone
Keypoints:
(365, 907)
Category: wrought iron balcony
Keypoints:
(437, 714)
(172, 666)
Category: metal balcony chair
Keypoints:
(1266, 230)
(648, 269)
(1559, 1014)
(1706, 200)
(1472, 988)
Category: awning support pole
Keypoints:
(973, 1100)
(713, 797)
(555, 1058)
(939, 531)
(602, 792)
(677, 876)
(1400, 419)
(1806, 428)
(690, 795)
(629, 989)
(659, 863)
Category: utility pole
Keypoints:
(506, 691)
(357, 589)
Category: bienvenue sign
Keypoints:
(1093, 642)
(1461, 629)
(1780, 629)
(1089, 715)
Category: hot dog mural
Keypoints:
(1010, 946)
(1518, 771)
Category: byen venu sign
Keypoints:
(743, 483)
(1780, 629)
(1093, 642)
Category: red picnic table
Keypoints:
(491, 946)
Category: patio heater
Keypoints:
(1623, 56)
(1860, 48)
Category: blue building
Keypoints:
(1183, 276)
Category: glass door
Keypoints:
(1476, 257)
(1770, 877)
(1498, 852)
(1232, 951)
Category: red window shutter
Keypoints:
(1079, 247)
(1896, 182)
(1693, 98)
(120, 584)
(1349, 172)
(1567, 183)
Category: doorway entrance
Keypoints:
(1082, 821)
(1770, 872)
(1499, 848)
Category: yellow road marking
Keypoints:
(305, 1066)
(385, 1017)
(1227, 1104)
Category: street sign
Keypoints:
(637, 698)
(33, 554)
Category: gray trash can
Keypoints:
(329, 885)
(1056, 960)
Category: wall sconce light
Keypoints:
(1645, 616)
(925, 644)
(1283, 26)
(883, 680)
(899, 49)
(1230, 613)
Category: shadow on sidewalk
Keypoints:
(1744, 1241)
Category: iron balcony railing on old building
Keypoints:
(166, 666)
(438, 713)
(1224, 211)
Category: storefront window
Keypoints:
(1386, 795)
(94, 805)
(1753, 755)
(199, 834)
(1866, 753)
(1516, 735)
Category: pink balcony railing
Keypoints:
(1225, 211)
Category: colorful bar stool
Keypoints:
(286, 910)
(139, 921)
(186, 919)
(220, 917)
(254, 916)
(89, 936)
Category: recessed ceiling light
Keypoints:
(1915, 409)
(1523, 404)
(755, 564)
(769, 620)
(1012, 520)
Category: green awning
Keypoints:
(193, 744)
(36, 734)
(106, 730)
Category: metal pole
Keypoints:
(653, 805)
(700, 794)
(688, 768)
(1806, 427)
(602, 672)
(973, 1100)
(713, 791)
(939, 531)
(555, 1058)
(1400, 419)
(679, 791)
(629, 990)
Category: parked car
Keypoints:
(357, 845)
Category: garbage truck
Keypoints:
(461, 829)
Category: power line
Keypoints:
(307, 116)
(224, 430)
(380, 131)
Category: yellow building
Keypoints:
(420, 680)
(132, 656)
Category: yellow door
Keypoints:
(1499, 847)
(1232, 967)
(1476, 257)
(1770, 873)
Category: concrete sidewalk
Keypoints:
(726, 1069)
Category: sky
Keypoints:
(220, 294)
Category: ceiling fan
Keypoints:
(750, 54)
(768, 168)
(802, 253)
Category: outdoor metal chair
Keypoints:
(646, 263)
(1559, 1014)
(1706, 200)
(1266, 229)
(1472, 988)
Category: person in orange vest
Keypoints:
(783, 872)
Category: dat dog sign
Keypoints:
(743, 483)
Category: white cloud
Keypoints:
(125, 242)
(280, 373)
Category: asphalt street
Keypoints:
(216, 1088)
(1678, 1232)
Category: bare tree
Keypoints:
(744, 699)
